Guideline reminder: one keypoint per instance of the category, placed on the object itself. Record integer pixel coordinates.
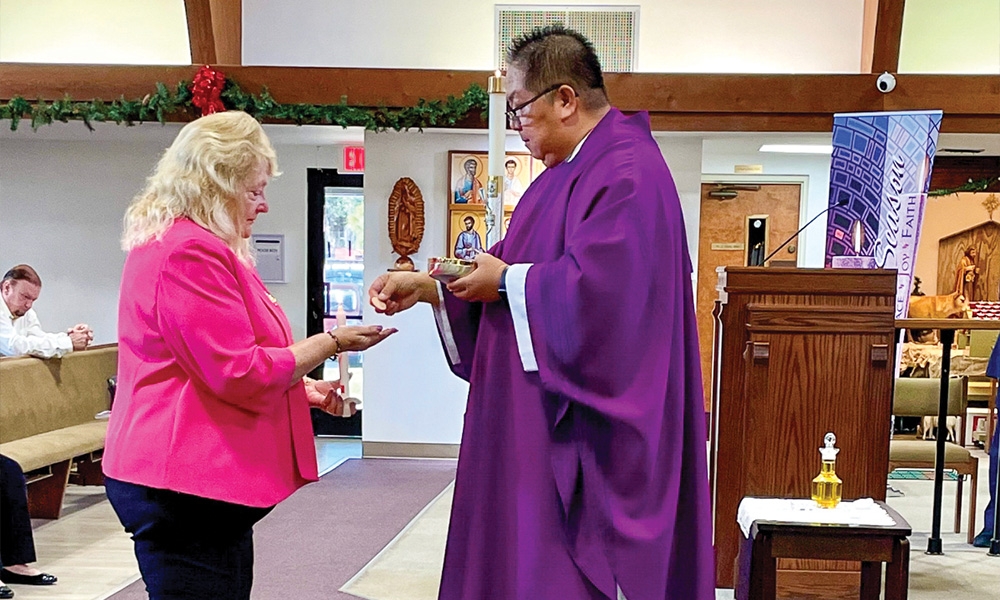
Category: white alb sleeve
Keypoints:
(517, 275)
(444, 328)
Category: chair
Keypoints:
(918, 397)
(981, 342)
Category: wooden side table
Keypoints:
(771, 540)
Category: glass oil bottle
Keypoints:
(826, 487)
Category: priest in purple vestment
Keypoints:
(582, 471)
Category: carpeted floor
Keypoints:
(362, 505)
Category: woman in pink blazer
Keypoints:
(211, 425)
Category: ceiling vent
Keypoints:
(612, 30)
(963, 150)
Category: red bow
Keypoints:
(206, 90)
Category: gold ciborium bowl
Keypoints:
(447, 270)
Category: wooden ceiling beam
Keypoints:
(215, 31)
(951, 172)
(200, 33)
(868, 21)
(685, 102)
(888, 32)
(227, 27)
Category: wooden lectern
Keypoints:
(798, 353)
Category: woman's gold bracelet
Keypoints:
(335, 339)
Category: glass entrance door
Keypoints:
(344, 269)
(335, 278)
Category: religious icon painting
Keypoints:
(467, 180)
(467, 231)
(467, 175)
(517, 175)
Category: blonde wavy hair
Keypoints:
(203, 176)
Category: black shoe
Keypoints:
(6, 592)
(9, 576)
(983, 539)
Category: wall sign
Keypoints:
(354, 159)
(270, 252)
(729, 246)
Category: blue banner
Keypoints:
(879, 177)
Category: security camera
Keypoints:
(885, 82)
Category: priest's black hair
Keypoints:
(556, 54)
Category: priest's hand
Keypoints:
(397, 291)
(483, 283)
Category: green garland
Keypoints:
(979, 185)
(164, 101)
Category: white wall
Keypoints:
(62, 205)
(683, 155)
(64, 191)
(286, 196)
(950, 37)
(782, 36)
(729, 36)
(153, 32)
(411, 394)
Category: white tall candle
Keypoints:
(498, 135)
(345, 376)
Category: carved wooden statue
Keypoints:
(406, 221)
(967, 274)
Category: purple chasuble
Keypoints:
(589, 474)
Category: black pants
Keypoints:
(188, 547)
(17, 546)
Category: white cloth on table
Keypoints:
(862, 512)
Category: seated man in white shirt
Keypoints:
(20, 331)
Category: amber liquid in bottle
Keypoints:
(826, 487)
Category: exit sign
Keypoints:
(354, 159)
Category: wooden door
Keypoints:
(722, 242)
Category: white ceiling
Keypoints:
(325, 135)
(988, 142)
(76, 131)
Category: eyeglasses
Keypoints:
(514, 118)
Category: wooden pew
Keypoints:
(47, 421)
